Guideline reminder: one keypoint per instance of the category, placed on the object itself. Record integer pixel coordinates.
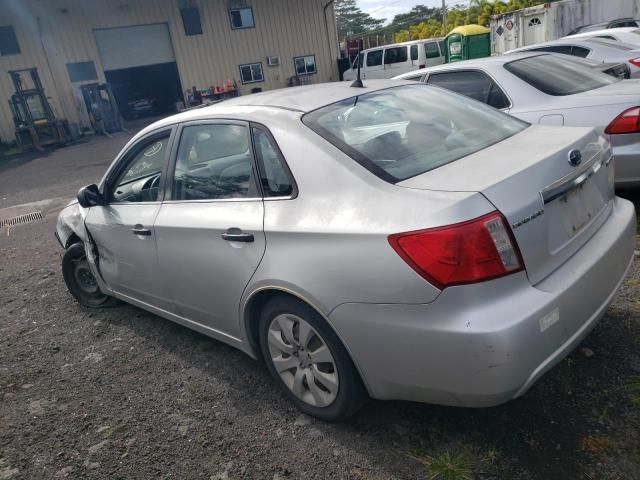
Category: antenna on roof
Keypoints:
(357, 83)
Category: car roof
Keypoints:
(296, 100)
(599, 42)
(604, 31)
(476, 62)
(400, 44)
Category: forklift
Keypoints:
(36, 125)
(102, 108)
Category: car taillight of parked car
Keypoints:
(627, 122)
(635, 62)
(468, 252)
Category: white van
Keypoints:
(391, 60)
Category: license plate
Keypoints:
(576, 209)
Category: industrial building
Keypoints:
(159, 55)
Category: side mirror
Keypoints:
(90, 196)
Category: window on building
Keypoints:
(305, 65)
(395, 55)
(534, 22)
(8, 41)
(251, 73)
(82, 71)
(241, 18)
(191, 21)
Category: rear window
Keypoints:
(553, 75)
(404, 131)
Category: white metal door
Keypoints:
(127, 47)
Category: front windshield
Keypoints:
(553, 75)
(404, 131)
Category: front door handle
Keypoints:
(140, 230)
(237, 235)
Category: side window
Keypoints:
(580, 51)
(395, 55)
(431, 50)
(414, 52)
(139, 181)
(274, 175)
(624, 23)
(442, 49)
(214, 162)
(476, 85)
(374, 58)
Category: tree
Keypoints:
(351, 20)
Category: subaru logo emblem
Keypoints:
(575, 158)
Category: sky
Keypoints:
(388, 8)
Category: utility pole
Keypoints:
(444, 17)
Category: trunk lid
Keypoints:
(552, 206)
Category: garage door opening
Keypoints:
(140, 65)
(145, 91)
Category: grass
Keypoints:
(446, 465)
(595, 443)
(633, 391)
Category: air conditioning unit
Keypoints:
(273, 61)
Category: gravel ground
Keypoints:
(123, 394)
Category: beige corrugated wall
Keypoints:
(52, 33)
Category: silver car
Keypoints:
(598, 49)
(396, 241)
(629, 35)
(553, 89)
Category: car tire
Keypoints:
(81, 282)
(321, 380)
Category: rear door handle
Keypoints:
(140, 230)
(237, 235)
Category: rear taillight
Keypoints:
(468, 252)
(627, 122)
(635, 62)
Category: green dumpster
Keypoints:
(466, 42)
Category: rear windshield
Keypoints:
(403, 131)
(553, 75)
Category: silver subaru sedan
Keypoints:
(396, 241)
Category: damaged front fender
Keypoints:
(71, 226)
(71, 223)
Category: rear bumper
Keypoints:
(626, 152)
(485, 344)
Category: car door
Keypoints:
(209, 229)
(472, 83)
(433, 54)
(123, 228)
(373, 67)
(396, 61)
